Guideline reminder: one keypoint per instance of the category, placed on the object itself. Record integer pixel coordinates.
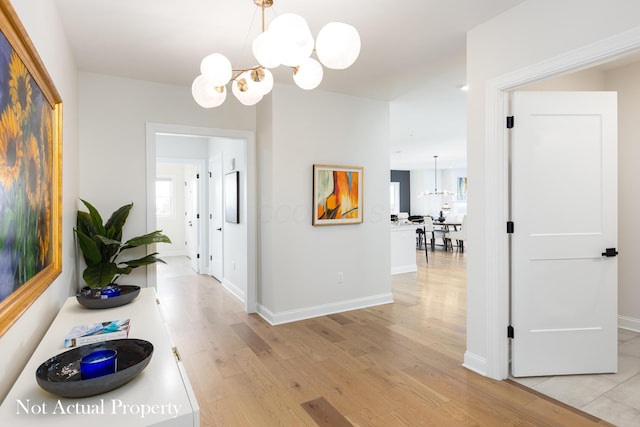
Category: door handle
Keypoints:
(219, 229)
(610, 252)
(190, 224)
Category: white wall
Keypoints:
(173, 225)
(112, 133)
(42, 23)
(299, 262)
(524, 36)
(235, 235)
(626, 81)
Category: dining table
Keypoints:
(442, 227)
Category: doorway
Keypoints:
(178, 208)
(246, 244)
(497, 304)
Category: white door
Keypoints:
(216, 216)
(564, 208)
(192, 230)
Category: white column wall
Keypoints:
(300, 262)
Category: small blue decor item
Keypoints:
(98, 364)
(109, 292)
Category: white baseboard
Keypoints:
(409, 268)
(629, 323)
(288, 316)
(475, 363)
(236, 291)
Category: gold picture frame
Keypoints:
(337, 194)
(30, 172)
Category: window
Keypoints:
(164, 197)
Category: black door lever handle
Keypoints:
(610, 252)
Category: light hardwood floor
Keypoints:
(393, 365)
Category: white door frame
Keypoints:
(496, 245)
(250, 195)
(215, 161)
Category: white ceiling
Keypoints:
(412, 54)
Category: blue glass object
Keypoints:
(98, 364)
(110, 292)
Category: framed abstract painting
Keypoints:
(30, 172)
(337, 194)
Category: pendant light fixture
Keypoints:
(288, 41)
(435, 191)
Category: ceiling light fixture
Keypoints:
(436, 192)
(288, 42)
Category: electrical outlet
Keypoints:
(340, 277)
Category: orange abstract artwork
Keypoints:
(337, 195)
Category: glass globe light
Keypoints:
(217, 68)
(206, 94)
(264, 50)
(308, 75)
(293, 40)
(244, 91)
(338, 45)
(262, 80)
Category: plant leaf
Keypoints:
(116, 221)
(147, 239)
(100, 275)
(149, 259)
(90, 250)
(84, 223)
(107, 241)
(96, 219)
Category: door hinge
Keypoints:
(176, 354)
(509, 227)
(197, 176)
(210, 175)
(210, 257)
(197, 216)
(198, 256)
(509, 122)
(510, 331)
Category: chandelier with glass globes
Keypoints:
(288, 41)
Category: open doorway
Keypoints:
(496, 364)
(179, 206)
(238, 153)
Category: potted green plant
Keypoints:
(101, 246)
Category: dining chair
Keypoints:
(418, 219)
(429, 230)
(458, 235)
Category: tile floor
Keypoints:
(612, 397)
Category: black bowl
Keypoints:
(90, 298)
(60, 375)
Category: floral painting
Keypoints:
(337, 194)
(26, 193)
(30, 172)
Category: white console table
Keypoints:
(162, 389)
(403, 248)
